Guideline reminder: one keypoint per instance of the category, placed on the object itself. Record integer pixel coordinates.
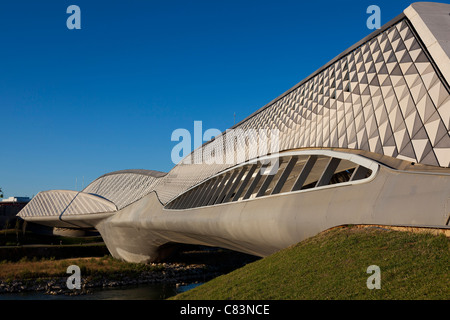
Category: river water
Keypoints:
(142, 292)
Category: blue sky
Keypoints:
(75, 104)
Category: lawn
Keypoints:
(333, 265)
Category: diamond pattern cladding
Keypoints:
(384, 97)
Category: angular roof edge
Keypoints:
(151, 173)
(431, 21)
(421, 15)
(344, 53)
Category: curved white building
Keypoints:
(363, 140)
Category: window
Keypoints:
(294, 173)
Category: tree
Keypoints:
(1, 193)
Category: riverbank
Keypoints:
(49, 276)
(167, 273)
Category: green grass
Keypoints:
(29, 269)
(333, 265)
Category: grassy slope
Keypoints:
(333, 265)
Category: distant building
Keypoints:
(9, 208)
(16, 200)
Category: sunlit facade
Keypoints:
(363, 140)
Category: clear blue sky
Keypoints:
(81, 103)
